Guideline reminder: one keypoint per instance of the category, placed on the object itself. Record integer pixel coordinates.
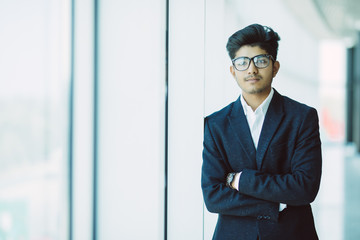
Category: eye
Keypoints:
(241, 62)
(261, 61)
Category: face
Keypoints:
(254, 81)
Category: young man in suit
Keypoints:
(262, 153)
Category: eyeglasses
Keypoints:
(260, 61)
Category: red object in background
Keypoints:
(335, 129)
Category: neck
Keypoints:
(255, 100)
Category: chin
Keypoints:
(255, 91)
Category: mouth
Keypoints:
(252, 79)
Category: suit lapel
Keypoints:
(238, 123)
(272, 121)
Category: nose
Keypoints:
(252, 68)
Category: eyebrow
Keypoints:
(251, 57)
(254, 56)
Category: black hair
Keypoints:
(254, 35)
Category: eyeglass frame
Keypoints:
(269, 56)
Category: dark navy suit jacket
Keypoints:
(285, 168)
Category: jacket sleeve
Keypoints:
(221, 199)
(301, 185)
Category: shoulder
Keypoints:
(298, 110)
(290, 105)
(294, 105)
(221, 114)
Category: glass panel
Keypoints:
(34, 80)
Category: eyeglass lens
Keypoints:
(243, 63)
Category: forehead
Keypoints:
(249, 51)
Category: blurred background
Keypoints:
(102, 106)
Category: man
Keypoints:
(262, 153)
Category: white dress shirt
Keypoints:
(256, 118)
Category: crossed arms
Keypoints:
(260, 192)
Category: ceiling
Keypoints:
(342, 16)
(329, 18)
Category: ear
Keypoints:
(276, 68)
(232, 71)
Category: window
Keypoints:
(34, 95)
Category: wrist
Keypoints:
(230, 179)
(235, 182)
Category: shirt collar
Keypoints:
(263, 106)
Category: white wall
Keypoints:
(131, 119)
(186, 110)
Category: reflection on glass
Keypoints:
(34, 119)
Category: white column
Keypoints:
(186, 112)
(131, 119)
(83, 119)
